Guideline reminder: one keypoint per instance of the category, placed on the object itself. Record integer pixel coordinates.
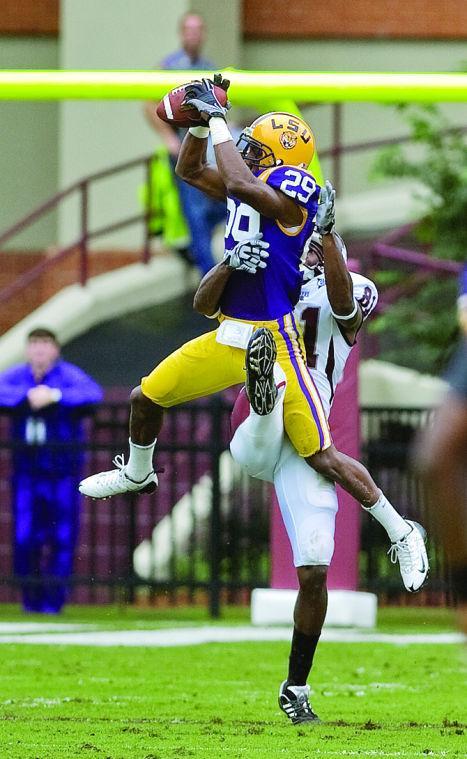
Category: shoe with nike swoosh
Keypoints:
(411, 554)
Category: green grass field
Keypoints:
(219, 700)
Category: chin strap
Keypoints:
(309, 274)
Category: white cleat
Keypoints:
(116, 482)
(411, 554)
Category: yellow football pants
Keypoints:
(203, 366)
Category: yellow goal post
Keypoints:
(272, 89)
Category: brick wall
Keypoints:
(393, 19)
(63, 274)
(30, 17)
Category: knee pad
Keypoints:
(315, 544)
(255, 462)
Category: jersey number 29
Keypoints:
(300, 186)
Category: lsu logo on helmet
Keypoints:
(275, 139)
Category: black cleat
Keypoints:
(293, 700)
(260, 384)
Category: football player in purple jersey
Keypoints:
(307, 500)
(268, 192)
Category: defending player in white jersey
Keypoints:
(307, 500)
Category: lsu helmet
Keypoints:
(275, 139)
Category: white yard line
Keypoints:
(31, 627)
(191, 636)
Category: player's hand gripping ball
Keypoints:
(173, 110)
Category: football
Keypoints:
(170, 110)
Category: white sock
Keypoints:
(268, 428)
(384, 513)
(140, 462)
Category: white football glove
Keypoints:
(248, 255)
(326, 213)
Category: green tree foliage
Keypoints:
(420, 329)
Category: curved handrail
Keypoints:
(382, 249)
(81, 243)
(52, 202)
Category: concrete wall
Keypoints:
(223, 20)
(116, 34)
(29, 139)
(110, 34)
(47, 146)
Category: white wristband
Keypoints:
(201, 132)
(214, 315)
(219, 130)
(56, 395)
(347, 317)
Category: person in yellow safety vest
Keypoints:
(162, 200)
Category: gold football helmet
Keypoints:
(275, 139)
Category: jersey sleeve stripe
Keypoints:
(293, 231)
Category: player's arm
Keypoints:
(192, 165)
(233, 177)
(345, 309)
(248, 256)
(242, 184)
(210, 289)
(237, 178)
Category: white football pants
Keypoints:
(308, 502)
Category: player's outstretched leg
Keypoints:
(407, 537)
(137, 475)
(259, 364)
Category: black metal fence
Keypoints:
(204, 533)
(388, 438)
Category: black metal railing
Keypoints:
(204, 534)
(389, 437)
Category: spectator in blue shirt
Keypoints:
(48, 398)
(202, 213)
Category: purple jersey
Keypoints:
(274, 291)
